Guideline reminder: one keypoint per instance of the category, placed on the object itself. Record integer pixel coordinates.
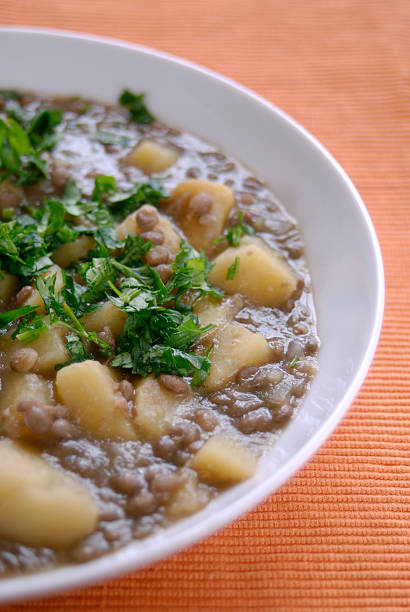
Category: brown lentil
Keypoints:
(157, 255)
(246, 198)
(176, 384)
(206, 419)
(24, 360)
(35, 416)
(257, 420)
(185, 431)
(127, 390)
(63, 428)
(128, 482)
(142, 503)
(107, 336)
(23, 295)
(165, 447)
(155, 236)
(147, 217)
(164, 272)
(164, 482)
(200, 204)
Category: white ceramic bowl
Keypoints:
(342, 248)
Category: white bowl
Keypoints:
(342, 248)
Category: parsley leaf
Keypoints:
(30, 328)
(41, 129)
(190, 272)
(9, 94)
(136, 105)
(106, 138)
(23, 140)
(232, 270)
(234, 234)
(143, 193)
(76, 348)
(12, 315)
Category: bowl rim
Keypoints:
(113, 564)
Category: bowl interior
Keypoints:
(342, 249)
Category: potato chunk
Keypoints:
(235, 347)
(155, 408)
(263, 275)
(152, 158)
(41, 505)
(8, 286)
(18, 387)
(89, 390)
(51, 350)
(201, 209)
(216, 312)
(224, 460)
(172, 239)
(105, 315)
(73, 251)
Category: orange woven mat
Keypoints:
(337, 536)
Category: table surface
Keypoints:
(337, 536)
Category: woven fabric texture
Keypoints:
(337, 536)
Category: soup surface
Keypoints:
(157, 326)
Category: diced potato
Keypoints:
(35, 298)
(216, 312)
(73, 251)
(151, 157)
(201, 230)
(188, 498)
(88, 390)
(105, 315)
(18, 387)
(128, 226)
(263, 275)
(155, 408)
(235, 347)
(8, 286)
(172, 239)
(40, 504)
(51, 348)
(224, 460)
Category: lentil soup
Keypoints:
(157, 326)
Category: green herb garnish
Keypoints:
(22, 140)
(234, 234)
(135, 103)
(293, 362)
(160, 328)
(232, 270)
(111, 138)
(12, 315)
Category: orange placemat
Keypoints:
(336, 537)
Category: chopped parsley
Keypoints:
(12, 315)
(234, 234)
(22, 140)
(135, 103)
(293, 362)
(111, 138)
(232, 270)
(160, 327)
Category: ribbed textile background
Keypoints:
(337, 537)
